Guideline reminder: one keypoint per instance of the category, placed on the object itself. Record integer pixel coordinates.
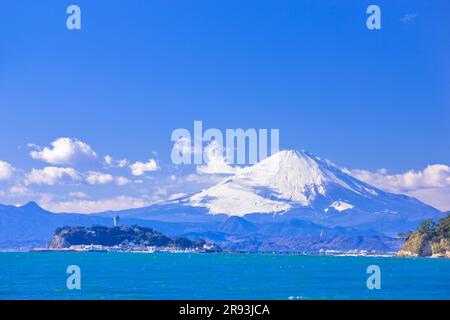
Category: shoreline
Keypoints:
(312, 254)
(319, 254)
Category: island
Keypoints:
(432, 239)
(122, 239)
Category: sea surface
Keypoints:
(219, 276)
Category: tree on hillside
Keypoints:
(426, 228)
(443, 228)
(435, 231)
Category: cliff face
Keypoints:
(59, 241)
(430, 240)
(418, 245)
(441, 248)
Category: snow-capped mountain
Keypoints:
(292, 201)
(286, 180)
(298, 185)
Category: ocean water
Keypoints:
(219, 276)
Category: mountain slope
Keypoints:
(31, 226)
(297, 185)
(275, 185)
(292, 179)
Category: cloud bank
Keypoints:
(92, 206)
(64, 151)
(430, 185)
(6, 171)
(139, 168)
(215, 161)
(52, 176)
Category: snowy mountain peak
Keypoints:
(279, 183)
(294, 175)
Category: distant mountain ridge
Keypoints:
(34, 228)
(31, 226)
(291, 201)
(296, 185)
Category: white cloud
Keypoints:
(98, 178)
(51, 176)
(19, 190)
(78, 194)
(205, 180)
(122, 163)
(433, 176)
(176, 196)
(215, 161)
(92, 206)
(428, 185)
(139, 168)
(437, 197)
(65, 151)
(121, 181)
(110, 162)
(6, 171)
(183, 146)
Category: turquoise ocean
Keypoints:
(219, 276)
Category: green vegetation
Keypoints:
(432, 239)
(435, 231)
(114, 236)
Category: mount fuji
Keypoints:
(296, 185)
(286, 181)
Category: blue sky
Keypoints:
(365, 99)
